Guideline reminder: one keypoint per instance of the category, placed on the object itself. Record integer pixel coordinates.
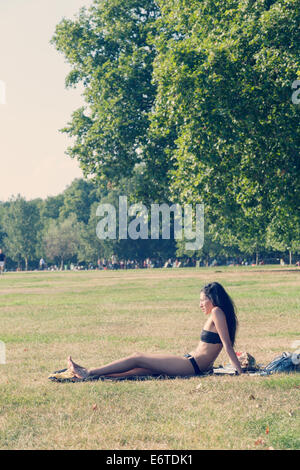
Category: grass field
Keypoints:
(98, 317)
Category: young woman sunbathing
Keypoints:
(218, 332)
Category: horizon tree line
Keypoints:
(62, 229)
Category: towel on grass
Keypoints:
(66, 375)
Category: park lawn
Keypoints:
(99, 316)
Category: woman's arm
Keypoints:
(220, 322)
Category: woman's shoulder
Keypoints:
(217, 309)
(217, 312)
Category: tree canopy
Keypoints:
(21, 224)
(108, 51)
(199, 93)
(187, 102)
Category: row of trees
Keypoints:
(185, 102)
(62, 229)
(192, 102)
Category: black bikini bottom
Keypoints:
(194, 364)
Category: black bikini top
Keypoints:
(210, 337)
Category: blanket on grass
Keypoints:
(65, 375)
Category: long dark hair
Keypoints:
(219, 298)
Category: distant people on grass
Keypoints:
(2, 261)
(114, 264)
(42, 264)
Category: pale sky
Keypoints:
(34, 103)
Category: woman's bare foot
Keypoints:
(78, 371)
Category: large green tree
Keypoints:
(62, 240)
(224, 72)
(283, 233)
(198, 94)
(77, 199)
(51, 207)
(107, 49)
(21, 224)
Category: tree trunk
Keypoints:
(26, 264)
(256, 258)
(62, 264)
(290, 256)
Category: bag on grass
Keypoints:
(287, 362)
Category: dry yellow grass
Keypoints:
(100, 316)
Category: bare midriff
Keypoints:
(205, 354)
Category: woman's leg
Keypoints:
(154, 363)
(129, 373)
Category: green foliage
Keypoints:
(139, 249)
(223, 73)
(197, 97)
(186, 102)
(51, 207)
(21, 224)
(284, 232)
(108, 51)
(62, 240)
(77, 199)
